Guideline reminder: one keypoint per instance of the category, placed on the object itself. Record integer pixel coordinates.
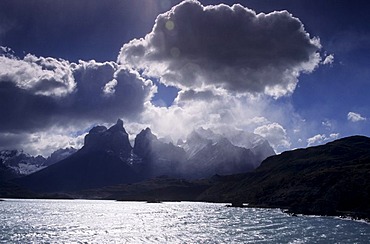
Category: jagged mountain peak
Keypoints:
(98, 129)
(207, 142)
(118, 127)
(144, 138)
(241, 138)
(114, 140)
(21, 163)
(144, 141)
(107, 151)
(147, 132)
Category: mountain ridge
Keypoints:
(107, 157)
(21, 163)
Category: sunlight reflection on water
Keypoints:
(90, 221)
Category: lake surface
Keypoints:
(90, 221)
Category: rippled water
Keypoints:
(87, 221)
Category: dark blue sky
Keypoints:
(332, 100)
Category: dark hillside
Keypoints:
(331, 179)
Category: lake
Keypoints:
(97, 221)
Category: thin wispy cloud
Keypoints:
(355, 117)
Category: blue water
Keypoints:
(90, 221)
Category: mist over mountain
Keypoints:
(259, 146)
(209, 153)
(59, 155)
(107, 158)
(160, 158)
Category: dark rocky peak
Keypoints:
(143, 142)
(114, 140)
(147, 143)
(118, 127)
(98, 129)
(147, 134)
(93, 136)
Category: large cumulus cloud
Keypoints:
(222, 112)
(38, 75)
(193, 46)
(37, 92)
(220, 58)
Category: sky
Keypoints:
(293, 71)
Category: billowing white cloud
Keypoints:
(321, 138)
(275, 134)
(43, 142)
(38, 92)
(224, 61)
(355, 117)
(219, 111)
(38, 75)
(328, 59)
(195, 46)
(334, 136)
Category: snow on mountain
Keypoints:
(256, 143)
(203, 153)
(209, 153)
(231, 151)
(21, 163)
(194, 143)
(199, 138)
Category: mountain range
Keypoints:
(330, 179)
(20, 163)
(107, 158)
